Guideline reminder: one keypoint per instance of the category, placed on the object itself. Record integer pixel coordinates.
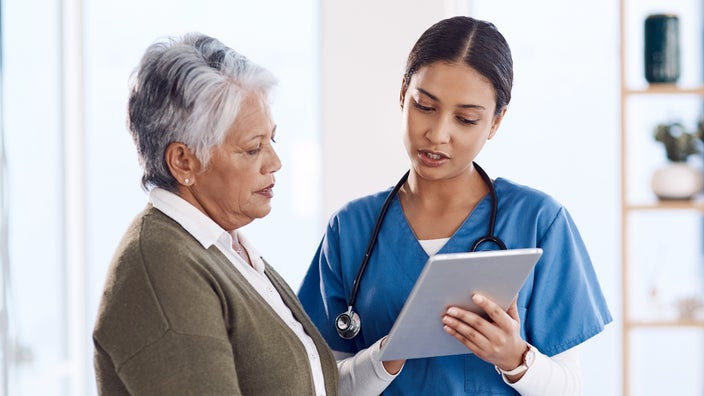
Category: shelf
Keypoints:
(697, 205)
(635, 91)
(664, 323)
(664, 89)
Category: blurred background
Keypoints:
(580, 127)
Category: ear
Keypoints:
(402, 93)
(497, 121)
(182, 163)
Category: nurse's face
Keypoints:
(448, 115)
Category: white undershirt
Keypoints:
(432, 246)
(362, 374)
(559, 375)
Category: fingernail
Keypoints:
(452, 312)
(477, 298)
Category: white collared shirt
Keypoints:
(209, 233)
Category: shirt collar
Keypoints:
(200, 226)
(254, 256)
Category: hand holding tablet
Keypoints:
(451, 280)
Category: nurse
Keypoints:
(454, 94)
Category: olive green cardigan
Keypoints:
(177, 319)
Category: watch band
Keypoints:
(526, 361)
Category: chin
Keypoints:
(430, 173)
(263, 212)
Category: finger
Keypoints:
(477, 322)
(498, 315)
(467, 329)
(464, 340)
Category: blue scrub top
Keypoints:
(560, 305)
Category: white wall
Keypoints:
(560, 134)
(364, 49)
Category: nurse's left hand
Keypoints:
(497, 341)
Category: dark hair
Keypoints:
(463, 39)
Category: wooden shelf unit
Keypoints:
(627, 207)
(665, 89)
(664, 323)
(697, 205)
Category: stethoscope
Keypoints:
(348, 323)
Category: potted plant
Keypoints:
(678, 179)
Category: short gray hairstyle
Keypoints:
(187, 90)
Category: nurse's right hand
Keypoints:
(497, 340)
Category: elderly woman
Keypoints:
(190, 306)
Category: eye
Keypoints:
(466, 121)
(422, 108)
(254, 152)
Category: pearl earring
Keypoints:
(187, 181)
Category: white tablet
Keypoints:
(452, 279)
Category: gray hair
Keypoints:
(187, 90)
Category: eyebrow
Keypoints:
(261, 136)
(464, 106)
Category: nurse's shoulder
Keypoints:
(362, 210)
(526, 201)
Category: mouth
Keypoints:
(432, 158)
(267, 191)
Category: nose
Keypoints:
(272, 163)
(439, 131)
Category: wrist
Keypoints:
(527, 360)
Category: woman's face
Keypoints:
(448, 115)
(238, 184)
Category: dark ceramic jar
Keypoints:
(662, 48)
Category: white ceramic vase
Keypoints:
(677, 180)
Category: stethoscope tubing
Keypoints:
(385, 207)
(373, 239)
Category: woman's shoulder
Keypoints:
(363, 206)
(152, 234)
(525, 197)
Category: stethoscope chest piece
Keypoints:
(347, 324)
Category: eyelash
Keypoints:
(422, 108)
(426, 109)
(465, 121)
